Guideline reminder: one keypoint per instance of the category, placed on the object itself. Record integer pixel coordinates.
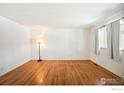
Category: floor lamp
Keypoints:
(39, 46)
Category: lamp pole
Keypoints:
(39, 52)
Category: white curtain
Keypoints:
(113, 31)
(109, 41)
(96, 42)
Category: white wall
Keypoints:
(115, 67)
(14, 45)
(62, 43)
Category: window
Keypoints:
(122, 35)
(102, 37)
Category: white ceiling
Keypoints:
(56, 15)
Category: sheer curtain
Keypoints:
(109, 41)
(96, 42)
(113, 31)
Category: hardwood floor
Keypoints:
(60, 73)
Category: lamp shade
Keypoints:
(39, 41)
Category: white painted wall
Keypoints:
(115, 67)
(14, 45)
(61, 43)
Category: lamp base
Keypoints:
(39, 60)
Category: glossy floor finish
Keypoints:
(60, 73)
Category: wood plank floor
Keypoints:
(60, 73)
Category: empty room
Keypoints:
(61, 44)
